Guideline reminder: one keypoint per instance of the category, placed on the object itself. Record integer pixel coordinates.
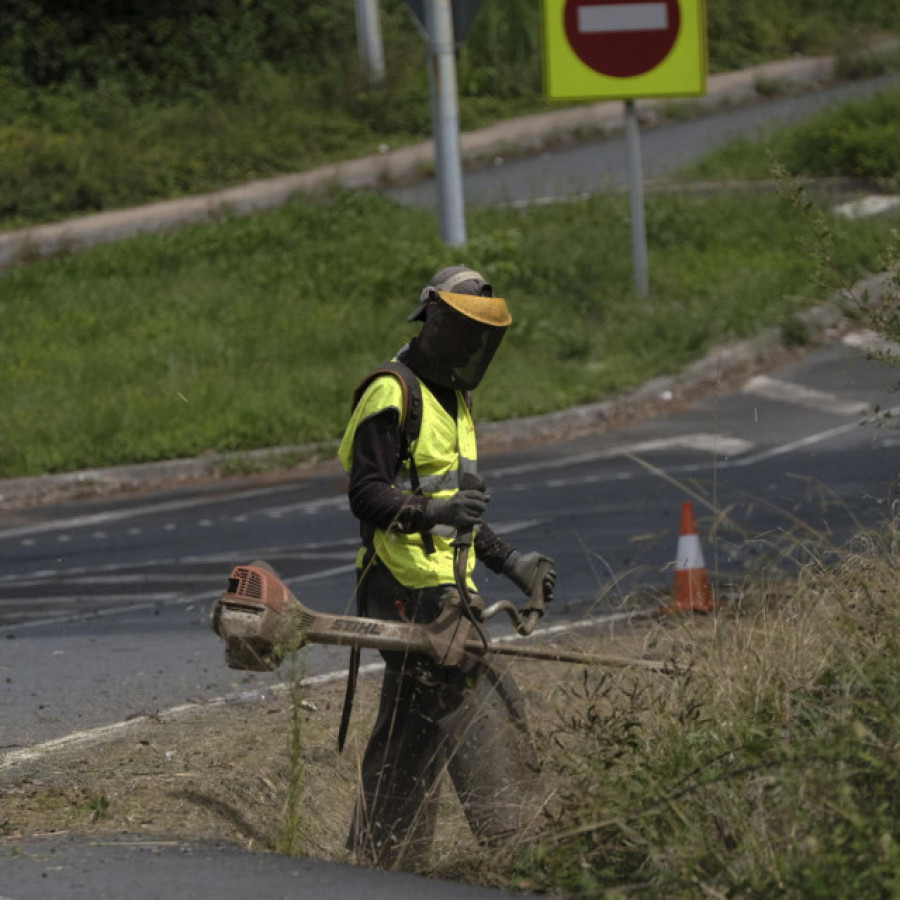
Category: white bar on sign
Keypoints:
(623, 17)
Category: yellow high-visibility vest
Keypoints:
(444, 450)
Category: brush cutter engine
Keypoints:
(259, 618)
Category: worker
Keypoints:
(416, 498)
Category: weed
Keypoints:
(768, 768)
(98, 805)
(292, 812)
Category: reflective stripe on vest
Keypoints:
(444, 451)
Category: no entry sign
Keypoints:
(624, 49)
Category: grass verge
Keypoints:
(252, 333)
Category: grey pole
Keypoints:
(368, 37)
(636, 181)
(445, 121)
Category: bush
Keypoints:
(768, 768)
(862, 139)
(168, 47)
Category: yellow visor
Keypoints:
(486, 310)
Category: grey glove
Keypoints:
(523, 568)
(463, 510)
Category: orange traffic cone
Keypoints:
(692, 590)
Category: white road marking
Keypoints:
(617, 17)
(798, 395)
(803, 442)
(124, 578)
(872, 342)
(709, 443)
(762, 456)
(129, 603)
(134, 512)
(870, 205)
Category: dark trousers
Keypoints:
(469, 720)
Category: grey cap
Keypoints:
(452, 280)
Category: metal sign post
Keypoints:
(636, 182)
(445, 121)
(368, 37)
(623, 50)
(443, 24)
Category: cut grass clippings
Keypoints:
(252, 333)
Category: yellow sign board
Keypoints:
(624, 49)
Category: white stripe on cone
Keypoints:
(692, 590)
(689, 554)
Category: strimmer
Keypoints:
(261, 620)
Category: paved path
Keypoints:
(81, 869)
(525, 134)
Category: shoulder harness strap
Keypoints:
(411, 411)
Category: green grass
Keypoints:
(253, 332)
(181, 101)
(861, 139)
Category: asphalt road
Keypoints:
(601, 164)
(104, 606)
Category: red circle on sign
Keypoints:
(622, 38)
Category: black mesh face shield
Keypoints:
(461, 336)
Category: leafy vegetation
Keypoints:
(861, 139)
(114, 104)
(770, 769)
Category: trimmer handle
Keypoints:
(524, 620)
(470, 481)
(538, 598)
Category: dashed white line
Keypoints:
(719, 444)
(136, 511)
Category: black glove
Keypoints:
(522, 569)
(463, 510)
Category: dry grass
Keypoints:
(225, 771)
(766, 764)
